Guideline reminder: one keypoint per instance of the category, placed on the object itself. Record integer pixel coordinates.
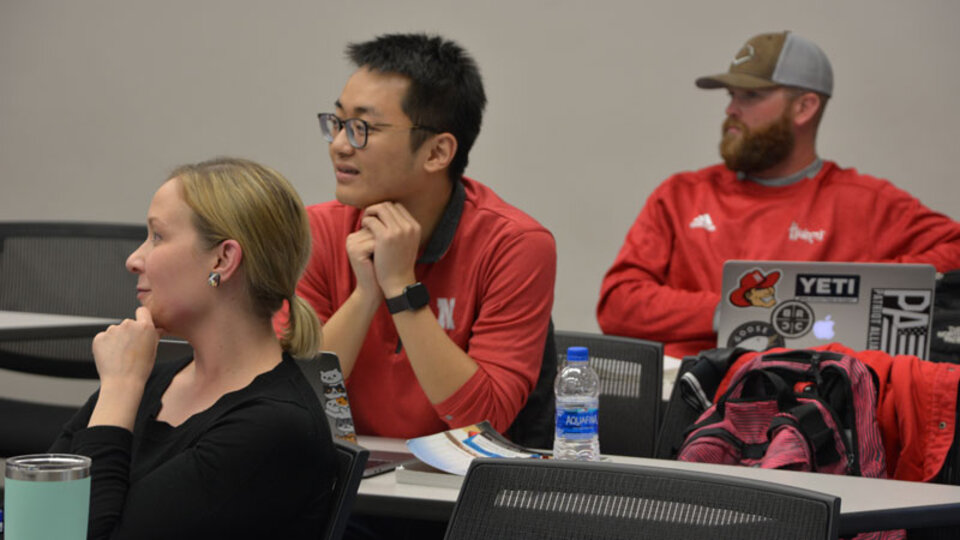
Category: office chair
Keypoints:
(631, 388)
(534, 425)
(61, 268)
(546, 499)
(67, 269)
(351, 460)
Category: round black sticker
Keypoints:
(792, 318)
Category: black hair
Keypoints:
(446, 91)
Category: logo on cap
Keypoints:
(745, 58)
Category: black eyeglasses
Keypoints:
(357, 128)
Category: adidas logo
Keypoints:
(703, 221)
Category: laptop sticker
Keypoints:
(756, 289)
(899, 320)
(756, 336)
(828, 288)
(792, 318)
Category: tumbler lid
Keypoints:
(48, 467)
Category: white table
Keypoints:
(866, 503)
(23, 325)
(26, 386)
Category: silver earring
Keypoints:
(213, 279)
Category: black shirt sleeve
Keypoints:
(255, 473)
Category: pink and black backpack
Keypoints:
(799, 410)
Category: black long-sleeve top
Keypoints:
(259, 463)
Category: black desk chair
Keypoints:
(534, 425)
(351, 460)
(66, 269)
(540, 499)
(631, 388)
(61, 268)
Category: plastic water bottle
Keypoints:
(578, 397)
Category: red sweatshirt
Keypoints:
(489, 269)
(665, 283)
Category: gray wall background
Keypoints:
(592, 104)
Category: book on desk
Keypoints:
(419, 473)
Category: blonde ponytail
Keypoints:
(303, 336)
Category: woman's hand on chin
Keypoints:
(124, 354)
(127, 351)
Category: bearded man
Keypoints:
(773, 198)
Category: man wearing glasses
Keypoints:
(436, 294)
(773, 198)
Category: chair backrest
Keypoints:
(522, 499)
(67, 269)
(631, 388)
(61, 268)
(351, 458)
(534, 425)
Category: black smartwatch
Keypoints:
(412, 298)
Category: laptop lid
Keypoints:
(325, 376)
(798, 304)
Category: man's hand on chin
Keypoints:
(396, 235)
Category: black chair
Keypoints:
(534, 425)
(631, 388)
(351, 460)
(545, 499)
(66, 269)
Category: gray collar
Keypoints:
(807, 172)
(442, 236)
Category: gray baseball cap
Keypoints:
(777, 59)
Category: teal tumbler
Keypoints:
(47, 496)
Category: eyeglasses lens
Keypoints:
(331, 125)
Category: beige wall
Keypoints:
(591, 104)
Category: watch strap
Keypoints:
(412, 298)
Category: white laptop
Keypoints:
(877, 306)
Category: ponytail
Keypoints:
(303, 336)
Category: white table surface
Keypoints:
(21, 324)
(861, 498)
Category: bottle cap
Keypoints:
(577, 354)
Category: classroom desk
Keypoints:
(16, 325)
(17, 382)
(867, 504)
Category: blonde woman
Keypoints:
(231, 443)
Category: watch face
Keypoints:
(417, 295)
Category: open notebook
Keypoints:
(324, 374)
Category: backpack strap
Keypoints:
(781, 390)
(699, 384)
(808, 418)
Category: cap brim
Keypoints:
(735, 80)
